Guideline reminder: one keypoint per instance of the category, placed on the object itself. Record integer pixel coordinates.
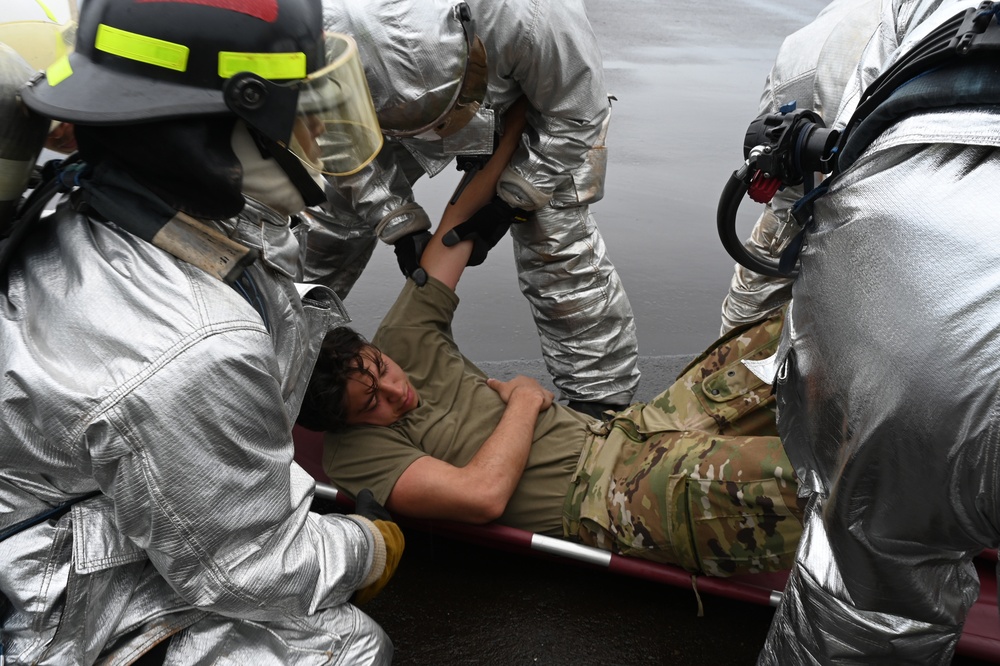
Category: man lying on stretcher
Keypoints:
(696, 478)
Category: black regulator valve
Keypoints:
(789, 144)
(781, 149)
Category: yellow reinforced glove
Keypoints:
(389, 545)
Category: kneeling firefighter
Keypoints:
(156, 349)
(888, 376)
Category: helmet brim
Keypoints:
(83, 97)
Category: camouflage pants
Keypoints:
(697, 477)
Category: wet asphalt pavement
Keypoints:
(453, 603)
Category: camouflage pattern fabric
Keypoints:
(697, 477)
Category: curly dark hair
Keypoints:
(341, 357)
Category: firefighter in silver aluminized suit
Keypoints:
(888, 388)
(424, 64)
(154, 360)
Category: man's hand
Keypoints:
(522, 385)
(408, 251)
(62, 139)
(387, 535)
(485, 228)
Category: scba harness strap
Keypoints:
(956, 65)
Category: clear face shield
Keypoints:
(468, 96)
(39, 42)
(336, 131)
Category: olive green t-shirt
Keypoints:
(457, 411)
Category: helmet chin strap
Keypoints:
(301, 176)
(269, 111)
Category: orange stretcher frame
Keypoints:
(980, 636)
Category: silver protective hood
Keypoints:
(888, 391)
(414, 55)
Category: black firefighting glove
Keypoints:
(408, 250)
(485, 228)
(389, 544)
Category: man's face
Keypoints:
(382, 398)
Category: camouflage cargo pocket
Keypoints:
(717, 392)
(739, 527)
(735, 505)
(711, 504)
(737, 400)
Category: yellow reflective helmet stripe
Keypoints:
(169, 55)
(59, 68)
(267, 65)
(141, 48)
(58, 71)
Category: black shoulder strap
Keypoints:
(957, 64)
(54, 513)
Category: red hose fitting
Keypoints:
(762, 189)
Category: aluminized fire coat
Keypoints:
(548, 52)
(887, 397)
(131, 373)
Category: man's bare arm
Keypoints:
(448, 263)
(479, 491)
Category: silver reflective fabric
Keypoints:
(129, 372)
(583, 316)
(888, 397)
(410, 83)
